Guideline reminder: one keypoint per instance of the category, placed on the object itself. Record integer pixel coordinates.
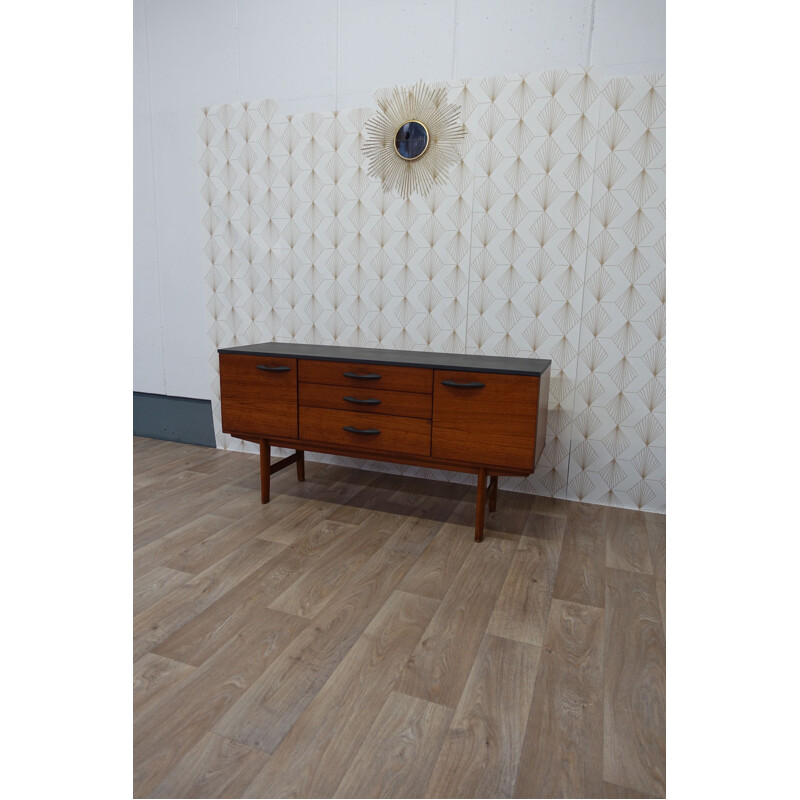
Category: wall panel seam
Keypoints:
(155, 204)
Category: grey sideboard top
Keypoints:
(400, 358)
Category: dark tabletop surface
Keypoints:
(400, 358)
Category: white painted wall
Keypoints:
(308, 55)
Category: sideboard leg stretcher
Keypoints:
(267, 469)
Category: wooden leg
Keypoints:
(493, 493)
(480, 505)
(264, 451)
(301, 465)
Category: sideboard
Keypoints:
(477, 414)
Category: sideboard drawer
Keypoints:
(366, 431)
(366, 400)
(485, 418)
(366, 376)
(258, 394)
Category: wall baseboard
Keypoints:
(176, 419)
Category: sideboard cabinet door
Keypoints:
(259, 395)
(485, 418)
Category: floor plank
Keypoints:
(154, 677)
(440, 666)
(232, 465)
(240, 467)
(163, 618)
(480, 754)
(168, 730)
(552, 506)
(155, 584)
(154, 453)
(199, 638)
(431, 501)
(621, 792)
(512, 514)
(523, 605)
(153, 500)
(267, 712)
(248, 499)
(331, 484)
(214, 767)
(313, 758)
(413, 534)
(635, 684)
(318, 584)
(403, 496)
(657, 539)
(161, 550)
(202, 555)
(581, 576)
(544, 526)
(562, 755)
(627, 546)
(163, 480)
(507, 522)
(287, 518)
(398, 753)
(440, 562)
(371, 497)
(180, 511)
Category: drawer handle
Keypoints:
(361, 377)
(368, 431)
(265, 368)
(370, 402)
(457, 385)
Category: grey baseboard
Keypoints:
(176, 419)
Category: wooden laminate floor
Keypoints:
(350, 639)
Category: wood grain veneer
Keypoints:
(493, 423)
(394, 434)
(377, 376)
(258, 400)
(362, 399)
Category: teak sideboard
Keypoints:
(478, 414)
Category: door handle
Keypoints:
(470, 385)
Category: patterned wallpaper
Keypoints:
(548, 240)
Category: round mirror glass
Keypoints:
(411, 140)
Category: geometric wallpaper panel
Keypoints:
(547, 241)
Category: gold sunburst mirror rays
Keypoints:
(414, 138)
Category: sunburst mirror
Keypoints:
(414, 138)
